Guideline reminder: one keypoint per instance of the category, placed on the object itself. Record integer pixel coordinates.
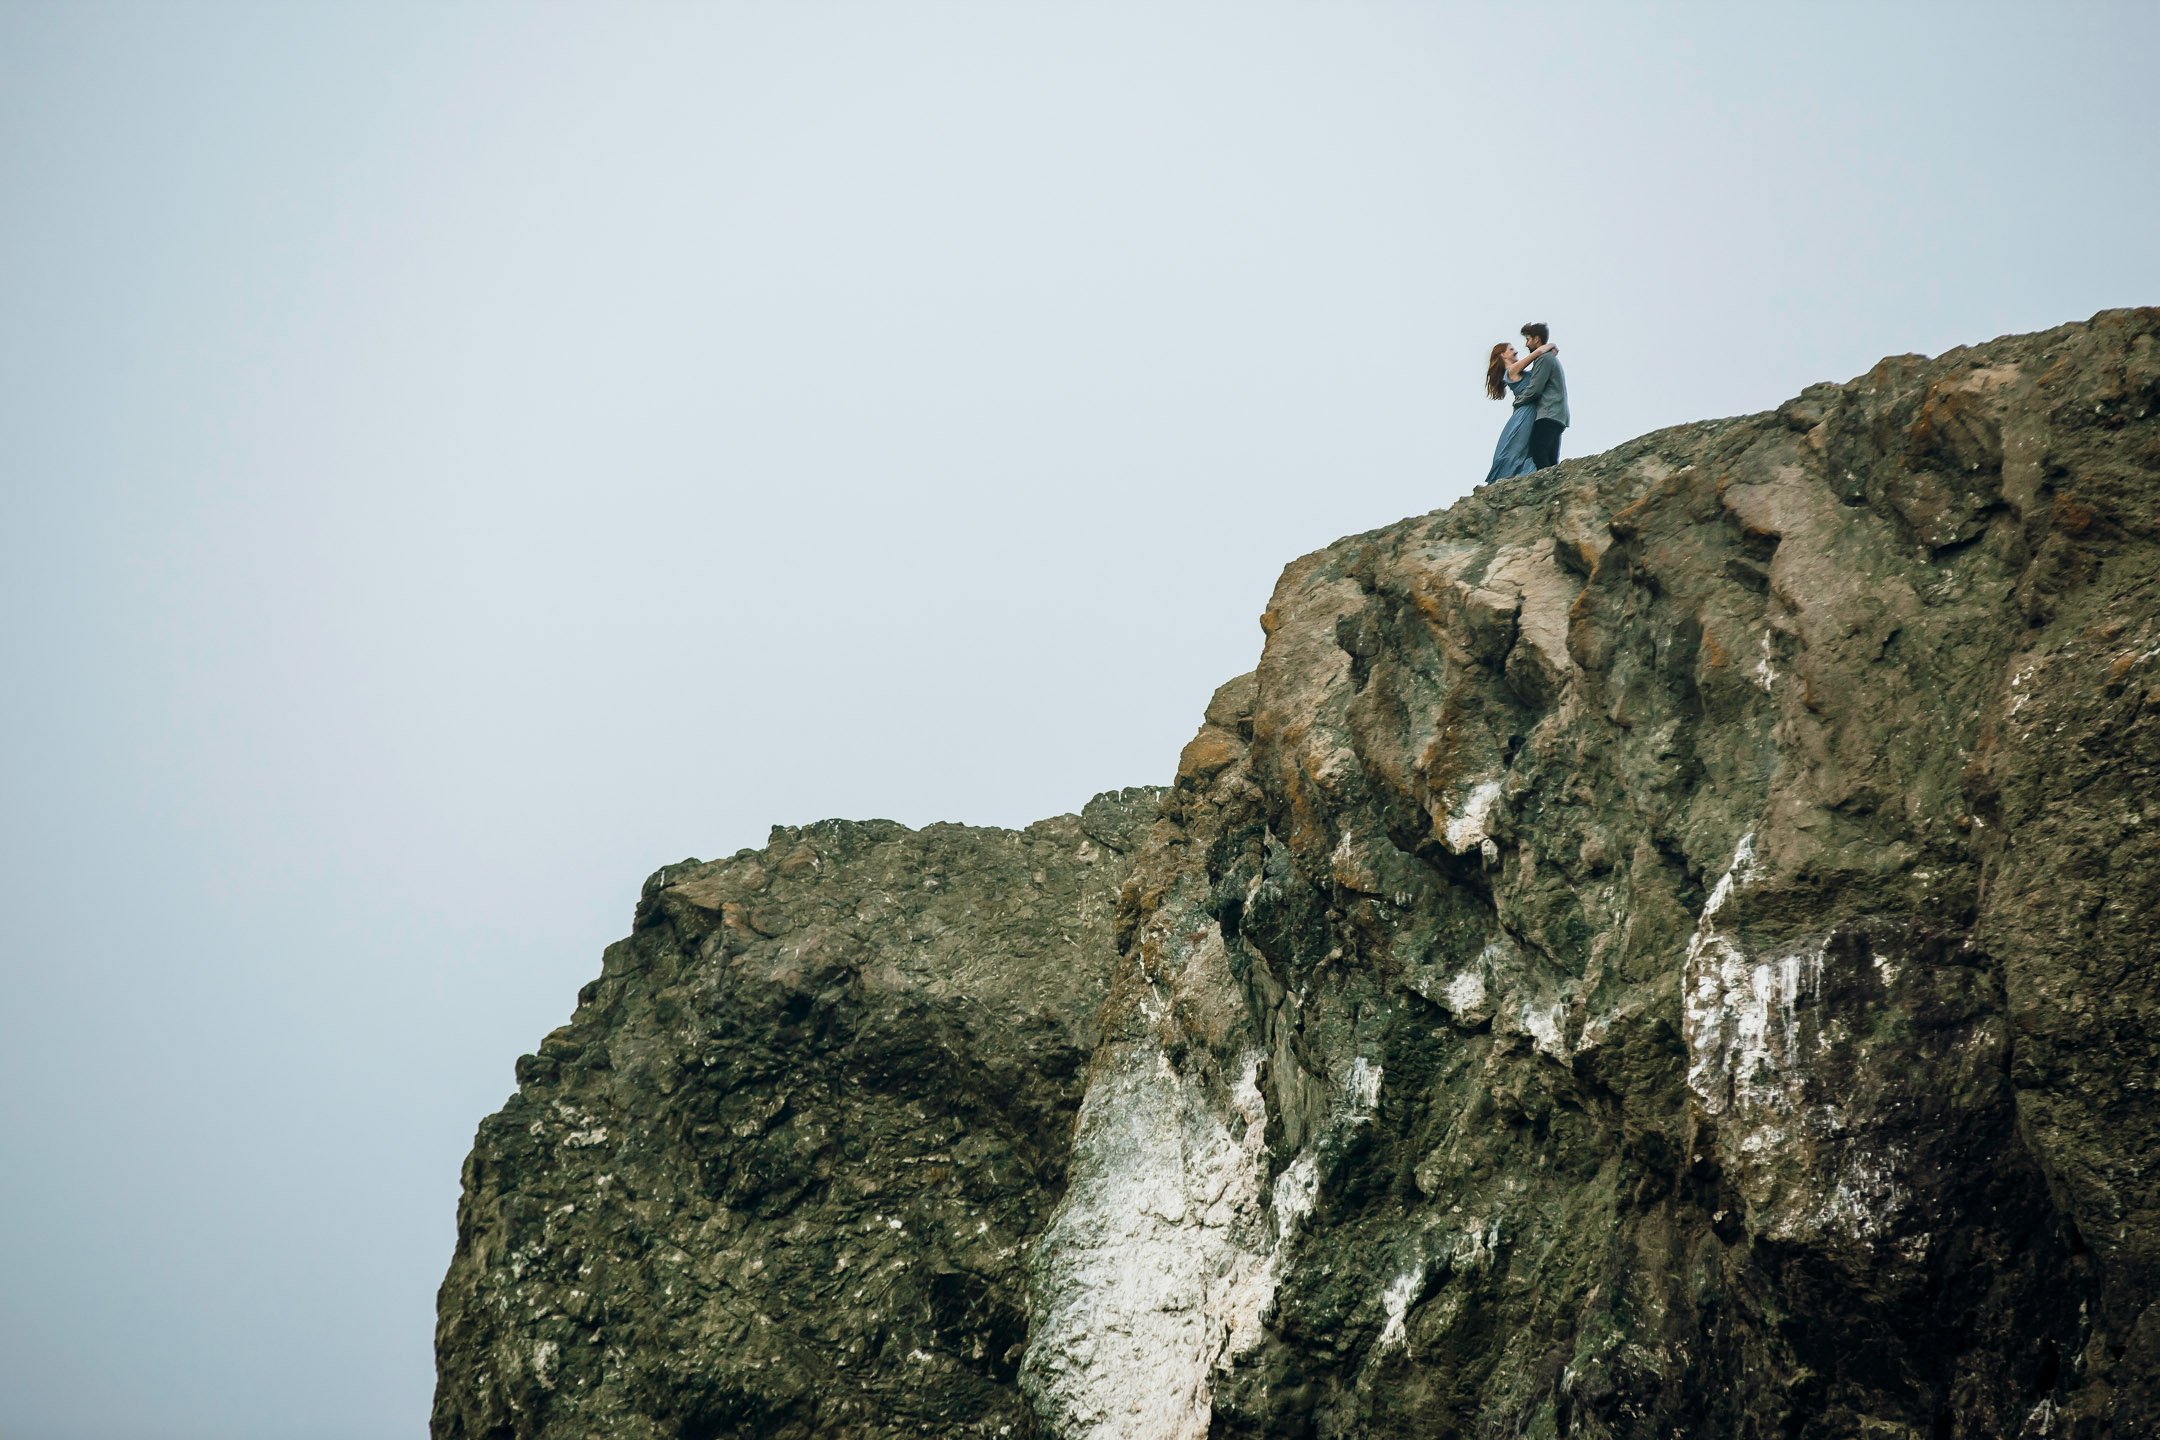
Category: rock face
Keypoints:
(1666, 947)
(779, 1174)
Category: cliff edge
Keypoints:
(1665, 947)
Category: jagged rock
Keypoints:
(778, 1174)
(1662, 948)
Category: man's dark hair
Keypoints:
(1536, 330)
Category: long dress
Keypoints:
(1512, 455)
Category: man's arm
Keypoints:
(1533, 385)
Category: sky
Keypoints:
(455, 459)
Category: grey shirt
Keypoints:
(1544, 385)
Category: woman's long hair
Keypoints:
(1496, 372)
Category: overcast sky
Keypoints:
(455, 459)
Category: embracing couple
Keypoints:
(1531, 438)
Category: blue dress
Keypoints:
(1512, 455)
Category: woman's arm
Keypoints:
(1514, 372)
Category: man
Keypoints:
(1545, 386)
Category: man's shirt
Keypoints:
(1545, 386)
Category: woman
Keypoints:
(1503, 376)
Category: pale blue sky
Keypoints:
(454, 459)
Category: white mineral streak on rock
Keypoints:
(1395, 1304)
(1765, 674)
(1599, 1028)
(1466, 826)
(1361, 1087)
(1475, 1247)
(1466, 997)
(1716, 968)
(1754, 1029)
(1161, 1261)
(1468, 994)
(1741, 1016)
(1295, 1190)
(1546, 1025)
(1746, 1068)
(2022, 697)
(1252, 1287)
(1865, 1194)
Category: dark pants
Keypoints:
(1545, 442)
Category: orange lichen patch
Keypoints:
(1431, 597)
(1958, 425)
(1582, 554)
(1631, 517)
(1208, 754)
(1807, 691)
(2075, 516)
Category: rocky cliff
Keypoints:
(1665, 947)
